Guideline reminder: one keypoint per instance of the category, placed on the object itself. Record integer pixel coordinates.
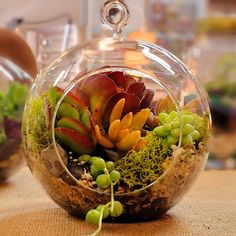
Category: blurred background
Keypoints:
(202, 33)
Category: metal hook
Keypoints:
(115, 14)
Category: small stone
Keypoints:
(76, 170)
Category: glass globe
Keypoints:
(14, 87)
(116, 118)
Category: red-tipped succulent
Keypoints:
(74, 126)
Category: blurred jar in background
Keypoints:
(213, 59)
(49, 27)
(219, 7)
(17, 69)
(14, 88)
(48, 38)
(173, 22)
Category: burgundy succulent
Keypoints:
(105, 90)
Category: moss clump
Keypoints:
(139, 169)
(34, 127)
(201, 124)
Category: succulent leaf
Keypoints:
(128, 81)
(129, 141)
(72, 99)
(97, 113)
(79, 93)
(86, 118)
(117, 110)
(114, 130)
(67, 110)
(147, 98)
(126, 121)
(131, 105)
(53, 96)
(122, 133)
(140, 119)
(137, 89)
(99, 88)
(102, 140)
(121, 80)
(118, 78)
(75, 125)
(74, 140)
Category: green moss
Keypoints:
(201, 124)
(34, 127)
(139, 169)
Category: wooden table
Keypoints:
(208, 209)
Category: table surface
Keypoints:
(208, 209)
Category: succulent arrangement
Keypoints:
(113, 136)
(11, 109)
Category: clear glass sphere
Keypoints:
(14, 88)
(132, 104)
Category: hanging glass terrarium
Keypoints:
(116, 122)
